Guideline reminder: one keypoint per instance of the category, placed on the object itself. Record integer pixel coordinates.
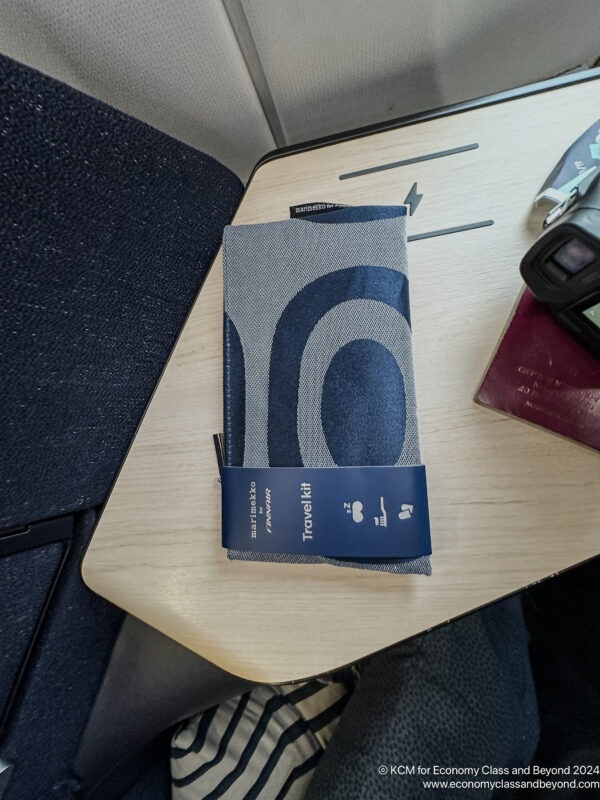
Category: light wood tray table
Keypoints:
(510, 504)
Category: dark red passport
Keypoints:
(543, 376)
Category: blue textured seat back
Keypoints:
(107, 230)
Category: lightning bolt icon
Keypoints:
(413, 198)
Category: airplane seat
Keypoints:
(109, 228)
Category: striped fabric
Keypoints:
(263, 745)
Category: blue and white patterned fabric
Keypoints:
(318, 351)
(263, 745)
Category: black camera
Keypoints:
(562, 268)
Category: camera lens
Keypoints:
(574, 256)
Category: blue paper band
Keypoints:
(375, 512)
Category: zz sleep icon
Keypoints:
(355, 509)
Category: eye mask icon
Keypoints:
(357, 509)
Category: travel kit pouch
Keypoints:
(322, 458)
